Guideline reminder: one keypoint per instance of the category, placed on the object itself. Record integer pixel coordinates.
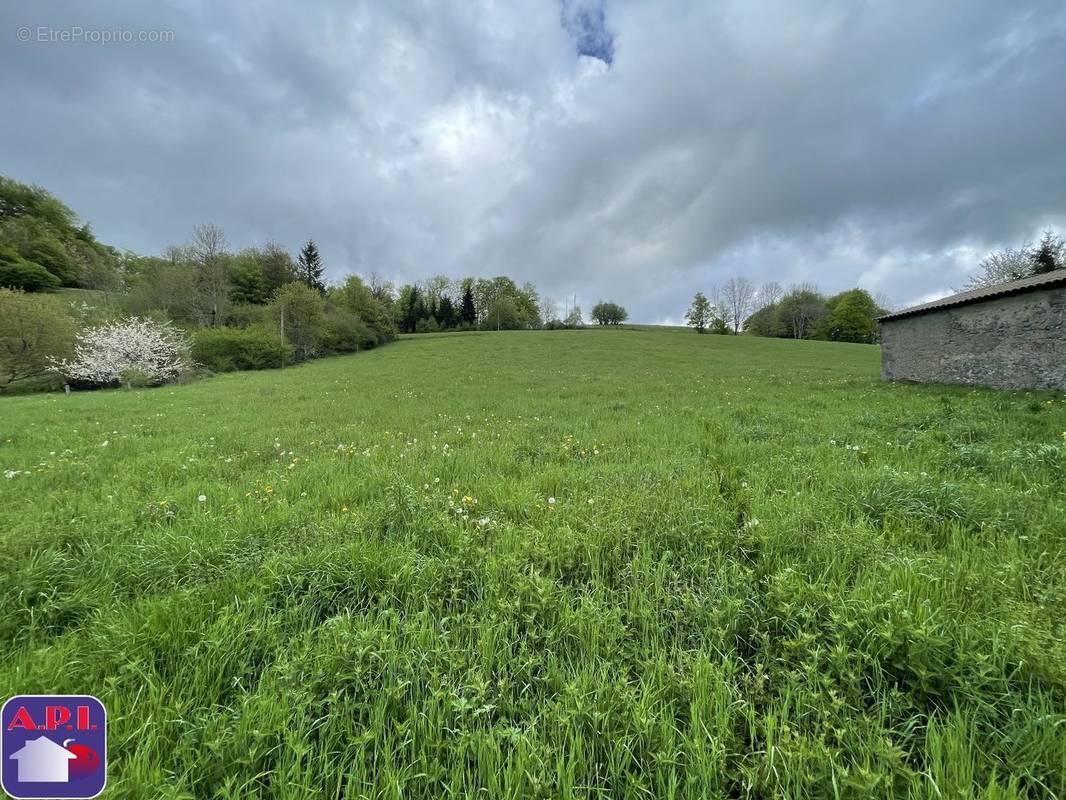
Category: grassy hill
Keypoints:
(562, 564)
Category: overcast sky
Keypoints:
(620, 150)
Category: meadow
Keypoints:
(604, 563)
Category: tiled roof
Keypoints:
(1045, 281)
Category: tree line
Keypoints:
(442, 304)
(253, 308)
(802, 312)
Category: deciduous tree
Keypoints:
(738, 294)
(33, 329)
(132, 351)
(607, 313)
(699, 314)
(210, 264)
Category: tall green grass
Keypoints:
(572, 564)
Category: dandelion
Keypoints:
(344, 509)
(551, 501)
(481, 523)
(202, 498)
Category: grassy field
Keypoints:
(609, 563)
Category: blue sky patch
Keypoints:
(586, 22)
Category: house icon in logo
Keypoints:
(41, 760)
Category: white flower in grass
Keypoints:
(752, 523)
(10, 473)
(202, 498)
(551, 501)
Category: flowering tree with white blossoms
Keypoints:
(129, 351)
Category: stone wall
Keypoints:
(1014, 342)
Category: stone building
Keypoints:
(1010, 336)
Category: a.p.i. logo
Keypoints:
(53, 745)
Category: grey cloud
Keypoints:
(887, 145)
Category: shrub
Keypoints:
(427, 325)
(228, 349)
(247, 315)
(132, 351)
(25, 275)
(356, 297)
(345, 332)
(33, 328)
(300, 312)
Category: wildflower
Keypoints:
(752, 523)
(551, 501)
(10, 473)
(590, 501)
(481, 523)
(344, 509)
(105, 443)
(202, 498)
(425, 487)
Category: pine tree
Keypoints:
(446, 313)
(412, 311)
(1049, 254)
(467, 310)
(309, 266)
